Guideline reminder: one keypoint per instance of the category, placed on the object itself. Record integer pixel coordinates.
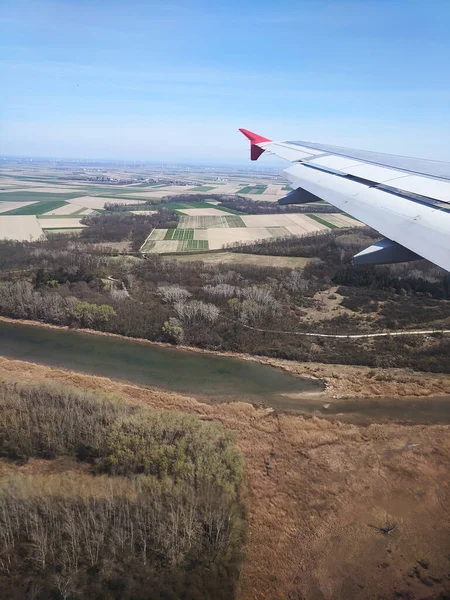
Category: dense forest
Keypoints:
(150, 508)
(238, 307)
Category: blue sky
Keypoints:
(174, 80)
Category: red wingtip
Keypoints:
(254, 137)
(255, 151)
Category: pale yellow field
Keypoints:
(60, 223)
(296, 223)
(157, 234)
(274, 190)
(99, 202)
(6, 206)
(202, 212)
(264, 197)
(165, 246)
(341, 220)
(21, 228)
(227, 188)
(146, 195)
(217, 238)
(201, 234)
(64, 210)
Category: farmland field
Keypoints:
(68, 209)
(26, 196)
(37, 208)
(60, 223)
(20, 228)
(339, 220)
(252, 189)
(322, 221)
(98, 202)
(214, 232)
(179, 234)
(202, 188)
(7, 206)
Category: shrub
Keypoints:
(175, 445)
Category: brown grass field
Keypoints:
(318, 492)
(233, 258)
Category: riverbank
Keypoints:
(315, 493)
(341, 381)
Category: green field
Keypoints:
(189, 245)
(235, 221)
(320, 220)
(202, 188)
(287, 188)
(36, 209)
(179, 234)
(35, 197)
(71, 216)
(207, 222)
(253, 189)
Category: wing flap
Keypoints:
(421, 228)
(406, 199)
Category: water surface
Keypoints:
(217, 378)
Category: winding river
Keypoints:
(202, 375)
(210, 377)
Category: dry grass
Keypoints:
(233, 258)
(318, 492)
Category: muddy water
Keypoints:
(208, 376)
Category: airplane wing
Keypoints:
(406, 199)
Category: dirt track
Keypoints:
(316, 492)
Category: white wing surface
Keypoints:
(406, 199)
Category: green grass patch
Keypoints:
(183, 235)
(202, 188)
(169, 234)
(37, 209)
(253, 189)
(322, 221)
(189, 245)
(35, 197)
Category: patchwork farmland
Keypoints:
(31, 206)
(201, 229)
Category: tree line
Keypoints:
(222, 306)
